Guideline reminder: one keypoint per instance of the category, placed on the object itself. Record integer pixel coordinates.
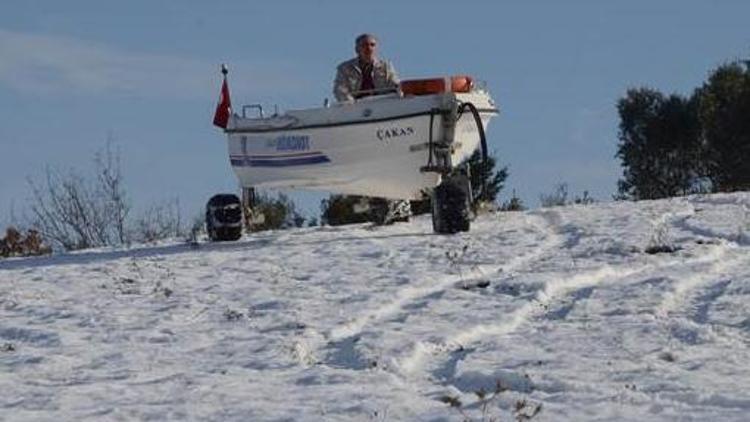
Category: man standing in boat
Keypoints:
(365, 74)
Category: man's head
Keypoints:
(366, 46)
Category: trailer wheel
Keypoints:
(224, 234)
(223, 218)
(451, 205)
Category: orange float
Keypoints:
(457, 83)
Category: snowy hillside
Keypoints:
(561, 308)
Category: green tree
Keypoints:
(278, 212)
(514, 203)
(337, 210)
(484, 175)
(659, 145)
(724, 110)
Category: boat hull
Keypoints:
(374, 147)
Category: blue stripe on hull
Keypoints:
(301, 161)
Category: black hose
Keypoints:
(430, 143)
(483, 139)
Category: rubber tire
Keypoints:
(451, 207)
(217, 228)
(224, 234)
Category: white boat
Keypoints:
(396, 145)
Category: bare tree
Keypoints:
(74, 212)
(558, 198)
(113, 192)
(159, 222)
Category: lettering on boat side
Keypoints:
(289, 143)
(394, 132)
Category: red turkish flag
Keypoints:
(224, 108)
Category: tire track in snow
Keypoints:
(683, 288)
(414, 362)
(411, 294)
(709, 296)
(740, 238)
(685, 310)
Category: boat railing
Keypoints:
(376, 91)
(258, 107)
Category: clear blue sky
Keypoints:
(145, 73)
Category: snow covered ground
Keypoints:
(560, 308)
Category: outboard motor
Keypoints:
(224, 217)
